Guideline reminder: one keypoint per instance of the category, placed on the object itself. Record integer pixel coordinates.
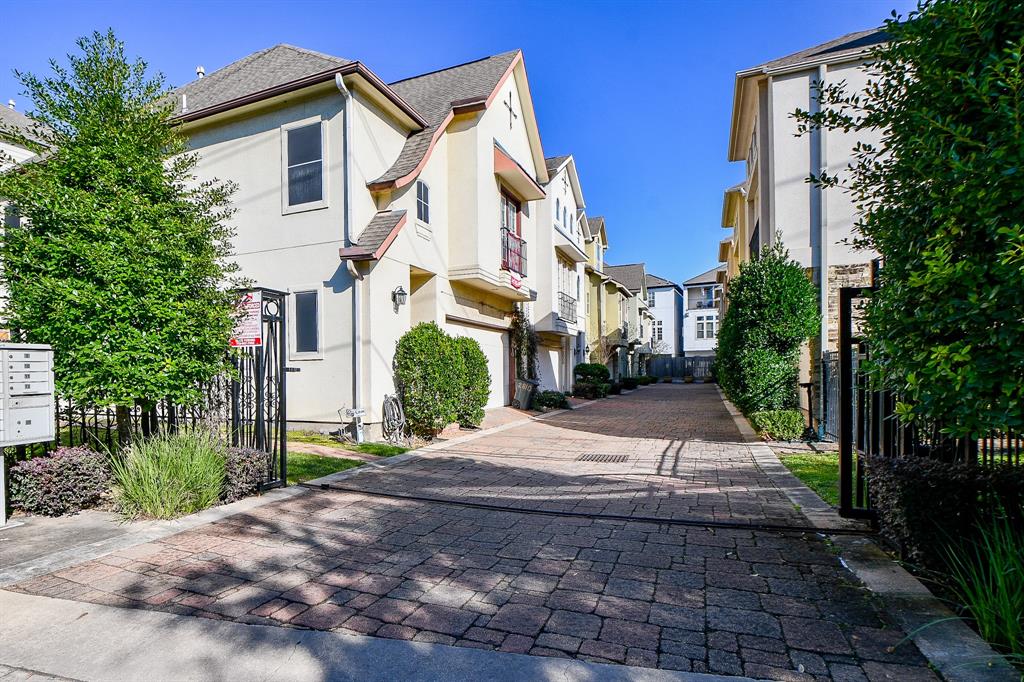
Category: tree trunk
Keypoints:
(123, 415)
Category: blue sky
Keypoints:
(640, 92)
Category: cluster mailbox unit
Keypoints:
(27, 412)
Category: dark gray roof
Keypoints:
(433, 95)
(709, 277)
(595, 223)
(846, 45)
(378, 229)
(631, 276)
(554, 163)
(259, 71)
(13, 121)
(653, 281)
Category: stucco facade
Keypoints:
(667, 307)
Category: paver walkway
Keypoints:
(767, 604)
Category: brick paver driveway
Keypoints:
(597, 584)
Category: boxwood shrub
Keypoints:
(429, 370)
(615, 388)
(476, 382)
(630, 383)
(779, 424)
(64, 482)
(591, 390)
(245, 470)
(550, 400)
(926, 504)
(592, 372)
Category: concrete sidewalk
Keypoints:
(97, 642)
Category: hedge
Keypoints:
(476, 382)
(926, 504)
(779, 424)
(630, 383)
(550, 400)
(592, 372)
(64, 482)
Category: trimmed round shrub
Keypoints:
(170, 474)
(428, 375)
(476, 382)
(550, 400)
(779, 424)
(630, 383)
(592, 372)
(245, 470)
(64, 482)
(615, 388)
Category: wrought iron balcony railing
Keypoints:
(513, 252)
(566, 307)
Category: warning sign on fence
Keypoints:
(249, 325)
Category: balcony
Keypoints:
(566, 308)
(513, 252)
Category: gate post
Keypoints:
(845, 402)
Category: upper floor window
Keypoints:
(304, 172)
(422, 202)
(565, 219)
(706, 326)
(11, 216)
(650, 299)
(306, 316)
(510, 219)
(658, 332)
(558, 208)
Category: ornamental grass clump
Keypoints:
(170, 474)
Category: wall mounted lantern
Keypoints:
(399, 296)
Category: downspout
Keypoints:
(353, 269)
(823, 248)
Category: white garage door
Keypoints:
(494, 344)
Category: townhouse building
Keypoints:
(666, 302)
(638, 321)
(703, 296)
(774, 202)
(377, 206)
(562, 232)
(607, 307)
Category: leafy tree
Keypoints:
(941, 198)
(122, 263)
(772, 311)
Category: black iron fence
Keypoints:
(566, 307)
(868, 424)
(247, 409)
(829, 419)
(700, 368)
(513, 252)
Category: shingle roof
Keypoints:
(631, 276)
(433, 95)
(259, 71)
(849, 44)
(12, 120)
(376, 237)
(596, 224)
(709, 277)
(554, 163)
(655, 281)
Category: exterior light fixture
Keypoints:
(399, 296)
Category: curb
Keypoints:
(952, 648)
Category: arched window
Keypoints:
(558, 209)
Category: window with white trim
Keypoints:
(650, 299)
(422, 202)
(306, 316)
(658, 331)
(558, 208)
(304, 161)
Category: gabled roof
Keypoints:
(553, 163)
(259, 71)
(272, 72)
(836, 49)
(596, 225)
(631, 276)
(655, 282)
(709, 277)
(437, 96)
(13, 121)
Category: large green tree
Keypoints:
(772, 311)
(121, 263)
(941, 199)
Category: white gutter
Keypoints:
(353, 269)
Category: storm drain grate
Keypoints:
(602, 459)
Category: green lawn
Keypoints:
(377, 449)
(819, 471)
(305, 467)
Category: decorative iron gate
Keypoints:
(853, 492)
(249, 410)
(258, 395)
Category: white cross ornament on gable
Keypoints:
(511, 114)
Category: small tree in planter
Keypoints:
(122, 263)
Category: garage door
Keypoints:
(494, 344)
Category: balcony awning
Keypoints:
(515, 176)
(724, 247)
